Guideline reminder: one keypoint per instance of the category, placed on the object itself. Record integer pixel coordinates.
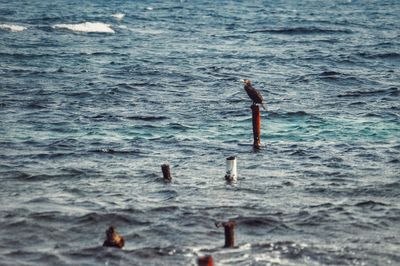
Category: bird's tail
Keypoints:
(264, 106)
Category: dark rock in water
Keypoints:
(113, 239)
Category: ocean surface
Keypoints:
(96, 95)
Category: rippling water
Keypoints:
(96, 95)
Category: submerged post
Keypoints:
(205, 261)
(229, 229)
(256, 126)
(231, 169)
(113, 239)
(166, 172)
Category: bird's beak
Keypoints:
(242, 80)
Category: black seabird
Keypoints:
(254, 94)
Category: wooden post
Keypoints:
(113, 239)
(256, 126)
(231, 169)
(229, 229)
(205, 261)
(166, 172)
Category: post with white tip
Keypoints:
(231, 169)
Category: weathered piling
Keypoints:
(205, 261)
(256, 126)
(166, 172)
(113, 239)
(229, 229)
(231, 169)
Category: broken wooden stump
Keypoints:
(166, 172)
(113, 239)
(229, 229)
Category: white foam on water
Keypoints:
(13, 28)
(118, 16)
(86, 27)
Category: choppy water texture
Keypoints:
(96, 95)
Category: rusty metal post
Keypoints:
(205, 261)
(166, 172)
(256, 126)
(229, 229)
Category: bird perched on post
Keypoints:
(254, 94)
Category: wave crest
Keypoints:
(86, 27)
(13, 28)
(118, 16)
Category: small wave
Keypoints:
(17, 175)
(289, 114)
(118, 16)
(147, 118)
(301, 30)
(12, 28)
(393, 91)
(369, 204)
(6, 12)
(89, 27)
(390, 55)
(297, 113)
(329, 73)
(105, 117)
(394, 161)
(94, 217)
(337, 76)
(35, 105)
(146, 30)
(112, 151)
(24, 55)
(299, 152)
(258, 221)
(166, 209)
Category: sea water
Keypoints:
(96, 95)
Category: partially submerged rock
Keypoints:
(113, 239)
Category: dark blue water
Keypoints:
(96, 95)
